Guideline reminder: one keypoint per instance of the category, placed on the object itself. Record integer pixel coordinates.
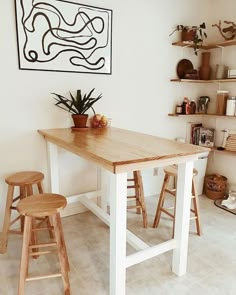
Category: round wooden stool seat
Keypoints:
(41, 205)
(24, 178)
(173, 170)
(26, 182)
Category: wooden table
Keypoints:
(120, 151)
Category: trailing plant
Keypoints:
(77, 104)
(198, 37)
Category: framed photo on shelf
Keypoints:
(206, 137)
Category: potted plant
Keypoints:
(195, 34)
(78, 105)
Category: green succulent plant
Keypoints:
(77, 104)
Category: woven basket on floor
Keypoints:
(215, 186)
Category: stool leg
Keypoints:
(161, 201)
(7, 219)
(23, 194)
(41, 191)
(196, 207)
(141, 200)
(61, 251)
(40, 187)
(34, 239)
(25, 254)
(137, 191)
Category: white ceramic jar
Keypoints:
(231, 106)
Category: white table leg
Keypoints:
(53, 166)
(182, 217)
(102, 185)
(118, 204)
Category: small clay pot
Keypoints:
(80, 121)
(188, 35)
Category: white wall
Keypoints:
(138, 95)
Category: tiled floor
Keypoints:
(211, 263)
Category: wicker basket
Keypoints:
(215, 186)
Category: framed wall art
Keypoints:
(57, 35)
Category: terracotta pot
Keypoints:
(188, 35)
(80, 121)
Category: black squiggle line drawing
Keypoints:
(58, 31)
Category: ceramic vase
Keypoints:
(205, 69)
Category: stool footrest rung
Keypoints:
(171, 192)
(16, 199)
(168, 213)
(15, 220)
(42, 277)
(42, 252)
(134, 206)
(132, 186)
(43, 228)
(131, 197)
(43, 245)
(193, 217)
(17, 232)
(13, 207)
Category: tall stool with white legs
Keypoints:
(24, 182)
(171, 171)
(41, 206)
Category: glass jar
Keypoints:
(221, 101)
(231, 105)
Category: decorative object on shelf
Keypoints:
(186, 106)
(183, 66)
(194, 34)
(221, 100)
(231, 30)
(179, 109)
(78, 106)
(64, 36)
(215, 186)
(221, 71)
(229, 140)
(205, 69)
(231, 74)
(193, 132)
(206, 137)
(202, 104)
(193, 107)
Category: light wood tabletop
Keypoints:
(120, 150)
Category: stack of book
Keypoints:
(199, 135)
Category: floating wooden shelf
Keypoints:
(206, 46)
(214, 149)
(200, 114)
(203, 81)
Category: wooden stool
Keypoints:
(137, 185)
(40, 206)
(172, 171)
(24, 181)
